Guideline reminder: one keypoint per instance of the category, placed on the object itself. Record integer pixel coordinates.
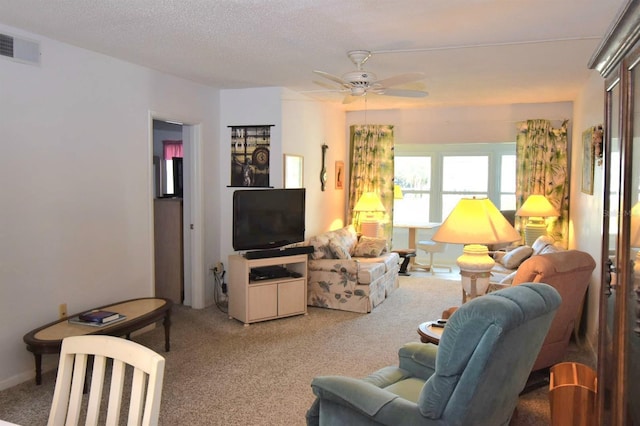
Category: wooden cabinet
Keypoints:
(617, 59)
(265, 299)
(168, 246)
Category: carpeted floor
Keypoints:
(220, 372)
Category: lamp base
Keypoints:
(370, 228)
(475, 269)
(535, 227)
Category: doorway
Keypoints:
(177, 182)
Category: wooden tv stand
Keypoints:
(266, 299)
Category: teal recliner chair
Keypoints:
(473, 377)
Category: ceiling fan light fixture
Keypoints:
(358, 90)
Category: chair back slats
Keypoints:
(136, 404)
(77, 387)
(115, 392)
(144, 383)
(97, 388)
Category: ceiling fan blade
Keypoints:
(404, 93)
(401, 79)
(332, 78)
(329, 87)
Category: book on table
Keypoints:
(97, 318)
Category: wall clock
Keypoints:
(260, 157)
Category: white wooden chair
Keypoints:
(432, 247)
(146, 381)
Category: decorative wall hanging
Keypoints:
(250, 155)
(596, 140)
(323, 172)
(588, 158)
(339, 174)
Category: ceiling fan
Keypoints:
(360, 83)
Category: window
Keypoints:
(433, 178)
(413, 174)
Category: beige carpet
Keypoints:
(220, 372)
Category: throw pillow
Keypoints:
(370, 247)
(515, 257)
(339, 251)
(541, 242)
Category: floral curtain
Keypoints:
(371, 168)
(542, 168)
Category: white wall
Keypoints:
(587, 210)
(76, 222)
(307, 125)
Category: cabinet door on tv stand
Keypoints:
(263, 302)
(292, 298)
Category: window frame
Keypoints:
(495, 152)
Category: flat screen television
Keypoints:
(267, 218)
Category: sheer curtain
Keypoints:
(542, 168)
(371, 168)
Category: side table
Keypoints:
(430, 334)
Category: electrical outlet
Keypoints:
(62, 310)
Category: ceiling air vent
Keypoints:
(19, 49)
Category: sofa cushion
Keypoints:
(370, 247)
(513, 258)
(368, 272)
(390, 260)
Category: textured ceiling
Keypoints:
(473, 52)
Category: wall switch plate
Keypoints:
(62, 310)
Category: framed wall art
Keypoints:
(339, 174)
(293, 171)
(587, 161)
(250, 151)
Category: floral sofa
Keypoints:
(348, 273)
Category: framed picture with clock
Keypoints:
(250, 155)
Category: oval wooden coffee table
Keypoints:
(429, 333)
(139, 313)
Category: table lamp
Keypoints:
(370, 205)
(536, 208)
(397, 192)
(475, 222)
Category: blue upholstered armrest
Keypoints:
(381, 405)
(419, 359)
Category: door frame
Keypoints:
(193, 222)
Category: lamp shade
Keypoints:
(475, 221)
(397, 192)
(369, 202)
(538, 206)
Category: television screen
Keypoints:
(268, 218)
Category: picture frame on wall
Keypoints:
(339, 174)
(293, 171)
(588, 161)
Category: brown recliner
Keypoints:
(569, 272)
